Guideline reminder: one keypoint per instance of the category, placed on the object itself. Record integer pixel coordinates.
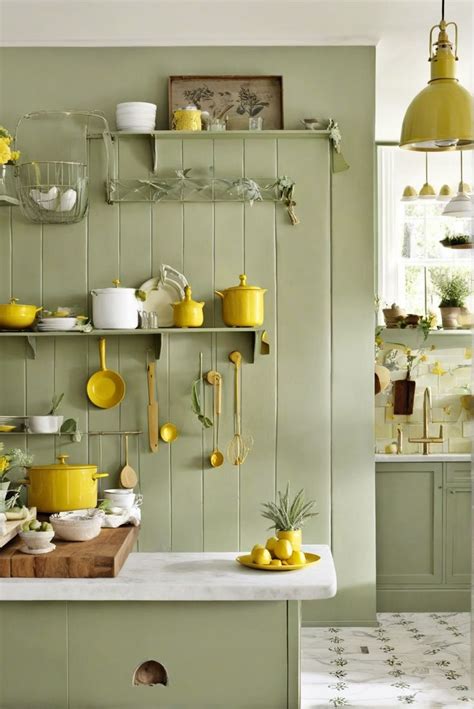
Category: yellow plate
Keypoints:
(6, 429)
(246, 561)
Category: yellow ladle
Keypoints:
(168, 432)
(217, 457)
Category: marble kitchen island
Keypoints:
(226, 635)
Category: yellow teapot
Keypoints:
(188, 312)
(243, 305)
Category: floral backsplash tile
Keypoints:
(447, 371)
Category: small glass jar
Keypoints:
(8, 193)
(255, 123)
(217, 125)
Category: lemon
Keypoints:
(297, 558)
(283, 549)
(270, 545)
(255, 549)
(284, 563)
(262, 556)
(275, 562)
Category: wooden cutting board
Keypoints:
(102, 557)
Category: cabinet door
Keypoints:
(458, 535)
(409, 506)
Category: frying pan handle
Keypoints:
(102, 353)
(151, 383)
(100, 475)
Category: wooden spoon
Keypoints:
(128, 477)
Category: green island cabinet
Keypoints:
(423, 515)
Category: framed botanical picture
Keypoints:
(233, 98)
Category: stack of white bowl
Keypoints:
(136, 116)
(56, 324)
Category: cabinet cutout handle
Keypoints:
(150, 673)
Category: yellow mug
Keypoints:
(187, 119)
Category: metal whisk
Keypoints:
(240, 445)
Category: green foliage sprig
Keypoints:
(288, 514)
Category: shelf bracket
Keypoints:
(31, 346)
(157, 340)
(261, 344)
(154, 153)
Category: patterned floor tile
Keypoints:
(417, 659)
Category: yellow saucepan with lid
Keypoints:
(243, 305)
(60, 487)
(16, 316)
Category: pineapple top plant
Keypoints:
(286, 514)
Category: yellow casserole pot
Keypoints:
(188, 312)
(243, 305)
(60, 487)
(15, 316)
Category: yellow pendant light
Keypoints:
(409, 194)
(427, 191)
(441, 117)
(445, 193)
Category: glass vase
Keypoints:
(8, 194)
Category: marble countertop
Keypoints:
(206, 576)
(418, 458)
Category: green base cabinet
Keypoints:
(423, 536)
(83, 655)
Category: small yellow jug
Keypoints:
(188, 312)
(187, 119)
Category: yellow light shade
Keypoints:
(445, 193)
(441, 116)
(427, 192)
(409, 194)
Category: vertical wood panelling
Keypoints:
(304, 326)
(221, 485)
(188, 505)
(259, 394)
(5, 253)
(27, 260)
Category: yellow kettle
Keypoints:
(243, 305)
(188, 312)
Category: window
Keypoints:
(411, 260)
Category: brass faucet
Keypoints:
(426, 439)
(399, 440)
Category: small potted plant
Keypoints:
(50, 423)
(288, 516)
(10, 460)
(453, 291)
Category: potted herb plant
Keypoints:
(50, 423)
(453, 291)
(288, 516)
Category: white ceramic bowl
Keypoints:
(136, 105)
(44, 424)
(127, 111)
(125, 499)
(75, 529)
(37, 540)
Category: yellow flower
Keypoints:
(437, 368)
(408, 351)
(15, 155)
(423, 358)
(3, 464)
(5, 153)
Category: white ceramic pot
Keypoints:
(115, 308)
(125, 499)
(44, 424)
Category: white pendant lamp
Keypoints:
(441, 117)
(460, 205)
(427, 191)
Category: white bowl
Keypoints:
(125, 499)
(44, 424)
(37, 540)
(136, 104)
(75, 529)
(128, 111)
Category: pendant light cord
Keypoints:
(426, 168)
(442, 10)
(462, 176)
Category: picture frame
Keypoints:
(233, 97)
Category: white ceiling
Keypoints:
(397, 28)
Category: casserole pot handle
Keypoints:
(219, 293)
(38, 310)
(25, 481)
(100, 475)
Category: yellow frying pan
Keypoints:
(105, 388)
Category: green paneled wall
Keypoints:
(318, 305)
